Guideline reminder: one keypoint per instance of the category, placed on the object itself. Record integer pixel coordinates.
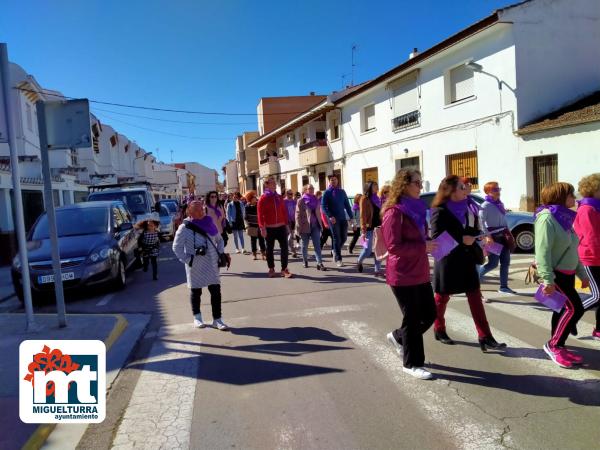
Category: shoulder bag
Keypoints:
(223, 259)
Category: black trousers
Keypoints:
(278, 234)
(153, 261)
(566, 320)
(261, 243)
(418, 308)
(215, 300)
(325, 234)
(354, 240)
(225, 237)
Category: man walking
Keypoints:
(337, 210)
(290, 206)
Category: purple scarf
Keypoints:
(310, 200)
(207, 225)
(216, 209)
(563, 215)
(269, 193)
(459, 210)
(376, 200)
(291, 209)
(473, 206)
(590, 201)
(355, 207)
(334, 190)
(497, 203)
(416, 209)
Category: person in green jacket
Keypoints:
(557, 264)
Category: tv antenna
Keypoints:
(354, 50)
(171, 155)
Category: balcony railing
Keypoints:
(268, 167)
(313, 144)
(409, 120)
(315, 152)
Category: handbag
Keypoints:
(222, 258)
(533, 276)
(508, 240)
(379, 247)
(252, 231)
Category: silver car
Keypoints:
(167, 229)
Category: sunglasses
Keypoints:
(417, 183)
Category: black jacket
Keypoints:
(457, 271)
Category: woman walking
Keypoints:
(309, 224)
(370, 218)
(493, 220)
(407, 269)
(215, 211)
(197, 245)
(252, 225)
(273, 224)
(587, 227)
(236, 213)
(558, 262)
(290, 206)
(355, 223)
(457, 272)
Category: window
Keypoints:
(280, 145)
(370, 174)
(405, 101)
(282, 186)
(303, 137)
(322, 181)
(459, 84)
(334, 126)
(114, 140)
(95, 137)
(408, 163)
(368, 118)
(117, 217)
(464, 165)
(29, 116)
(126, 148)
(304, 180)
(320, 135)
(291, 138)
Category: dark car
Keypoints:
(139, 200)
(519, 223)
(97, 245)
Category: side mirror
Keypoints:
(125, 226)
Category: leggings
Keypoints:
(152, 260)
(566, 320)
(215, 300)
(477, 312)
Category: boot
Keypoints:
(489, 342)
(443, 337)
(254, 256)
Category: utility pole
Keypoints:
(18, 220)
(354, 50)
(171, 155)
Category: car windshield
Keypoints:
(171, 206)
(136, 200)
(164, 212)
(74, 222)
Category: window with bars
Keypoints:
(368, 118)
(464, 165)
(114, 140)
(459, 84)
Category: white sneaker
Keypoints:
(198, 323)
(418, 372)
(397, 346)
(237, 251)
(218, 323)
(339, 263)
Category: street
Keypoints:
(306, 365)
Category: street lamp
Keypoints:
(475, 67)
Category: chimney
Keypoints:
(414, 53)
(311, 93)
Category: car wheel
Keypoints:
(525, 239)
(121, 278)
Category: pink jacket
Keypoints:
(587, 227)
(407, 263)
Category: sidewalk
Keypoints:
(120, 333)
(6, 286)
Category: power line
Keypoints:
(151, 108)
(165, 132)
(160, 119)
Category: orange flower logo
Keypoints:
(48, 360)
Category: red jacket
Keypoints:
(271, 211)
(587, 227)
(407, 263)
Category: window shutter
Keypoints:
(369, 117)
(405, 94)
(461, 83)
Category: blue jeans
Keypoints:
(238, 239)
(368, 251)
(504, 259)
(315, 237)
(339, 234)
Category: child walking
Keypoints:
(149, 243)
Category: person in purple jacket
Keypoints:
(404, 228)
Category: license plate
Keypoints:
(42, 279)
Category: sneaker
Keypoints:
(294, 255)
(271, 273)
(286, 273)
(339, 263)
(596, 334)
(418, 372)
(321, 267)
(507, 290)
(379, 274)
(198, 321)
(558, 356)
(397, 345)
(306, 264)
(359, 267)
(572, 356)
(237, 251)
(219, 325)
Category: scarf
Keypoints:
(269, 193)
(291, 208)
(473, 206)
(207, 225)
(563, 215)
(355, 207)
(590, 201)
(416, 209)
(215, 209)
(497, 203)
(459, 210)
(334, 190)
(376, 200)
(310, 200)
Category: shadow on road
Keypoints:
(292, 334)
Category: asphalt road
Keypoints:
(306, 365)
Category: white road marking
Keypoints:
(107, 298)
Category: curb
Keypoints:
(43, 431)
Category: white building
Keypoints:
(230, 172)
(205, 178)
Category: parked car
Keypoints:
(170, 203)
(519, 223)
(97, 245)
(139, 200)
(167, 227)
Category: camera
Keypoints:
(201, 251)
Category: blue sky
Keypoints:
(215, 56)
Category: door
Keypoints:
(464, 165)
(304, 180)
(322, 181)
(282, 186)
(294, 183)
(370, 174)
(545, 172)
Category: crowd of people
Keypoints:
(393, 224)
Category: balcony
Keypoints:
(313, 153)
(268, 166)
(412, 119)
